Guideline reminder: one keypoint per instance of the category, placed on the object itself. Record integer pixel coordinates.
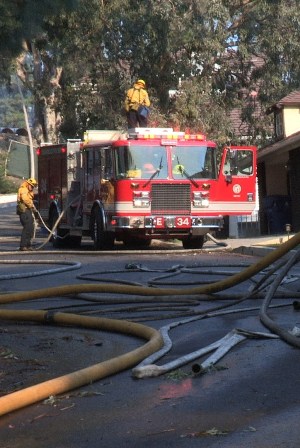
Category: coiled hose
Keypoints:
(74, 380)
(33, 394)
(211, 288)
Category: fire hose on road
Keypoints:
(74, 380)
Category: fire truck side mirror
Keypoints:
(228, 178)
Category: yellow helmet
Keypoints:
(141, 81)
(31, 181)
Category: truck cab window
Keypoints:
(198, 162)
(105, 162)
(238, 162)
(141, 162)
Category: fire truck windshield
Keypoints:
(193, 162)
(142, 162)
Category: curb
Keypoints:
(8, 200)
(257, 251)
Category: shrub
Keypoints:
(7, 185)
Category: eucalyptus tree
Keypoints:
(213, 55)
(22, 40)
(216, 54)
(266, 34)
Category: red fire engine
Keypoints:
(148, 184)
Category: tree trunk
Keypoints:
(46, 92)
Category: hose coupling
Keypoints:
(49, 316)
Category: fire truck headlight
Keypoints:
(201, 199)
(205, 202)
(141, 202)
(141, 199)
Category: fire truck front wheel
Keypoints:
(193, 242)
(102, 239)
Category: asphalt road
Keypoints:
(249, 398)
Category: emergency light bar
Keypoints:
(170, 136)
(194, 137)
(167, 135)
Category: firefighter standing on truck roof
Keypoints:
(137, 96)
(25, 209)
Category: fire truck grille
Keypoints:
(170, 199)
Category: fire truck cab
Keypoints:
(150, 183)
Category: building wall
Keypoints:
(276, 179)
(274, 199)
(261, 178)
(294, 182)
(279, 173)
(291, 119)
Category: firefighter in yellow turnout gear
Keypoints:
(25, 210)
(136, 97)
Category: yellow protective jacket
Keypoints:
(135, 97)
(24, 198)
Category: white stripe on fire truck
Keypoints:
(227, 207)
(215, 207)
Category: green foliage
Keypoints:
(213, 52)
(23, 20)
(6, 185)
(197, 108)
(11, 111)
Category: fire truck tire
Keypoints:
(103, 240)
(193, 242)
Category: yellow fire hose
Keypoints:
(74, 380)
(33, 394)
(221, 285)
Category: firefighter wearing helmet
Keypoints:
(136, 105)
(25, 210)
